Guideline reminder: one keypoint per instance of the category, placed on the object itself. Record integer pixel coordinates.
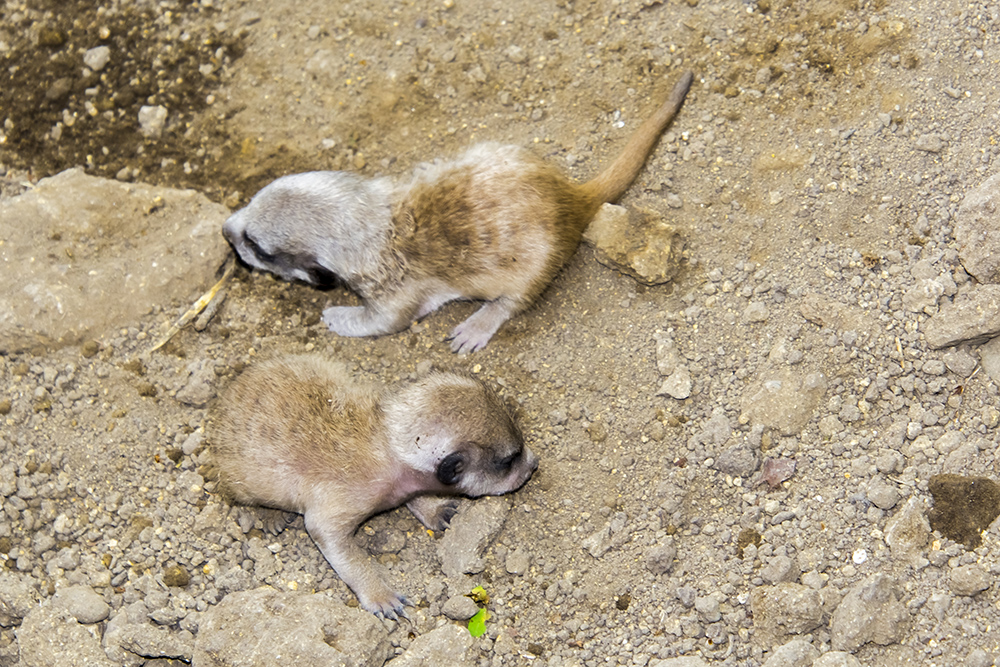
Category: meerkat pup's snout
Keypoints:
(301, 434)
(495, 224)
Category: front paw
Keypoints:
(435, 512)
(275, 521)
(344, 320)
(445, 514)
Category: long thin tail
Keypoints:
(611, 183)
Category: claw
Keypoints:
(390, 610)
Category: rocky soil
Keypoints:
(786, 454)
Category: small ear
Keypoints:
(450, 468)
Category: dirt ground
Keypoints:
(822, 153)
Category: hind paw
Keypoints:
(389, 605)
(475, 332)
(463, 340)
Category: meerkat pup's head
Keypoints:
(315, 227)
(459, 429)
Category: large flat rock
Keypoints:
(265, 627)
(977, 231)
(83, 256)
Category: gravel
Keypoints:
(742, 466)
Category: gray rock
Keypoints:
(923, 297)
(18, 596)
(660, 559)
(167, 615)
(448, 645)
(785, 402)
(97, 57)
(836, 659)
(193, 442)
(668, 357)
(59, 89)
(960, 460)
(989, 357)
(938, 604)
(152, 120)
(977, 231)
(882, 494)
(121, 625)
(233, 580)
(796, 653)
(517, 562)
(598, 543)
(8, 479)
(908, 532)
(147, 641)
(739, 460)
(42, 542)
(972, 318)
(968, 580)
(50, 637)
(708, 607)
(516, 54)
(265, 564)
(780, 569)
(755, 312)
(610, 536)
(870, 612)
(472, 530)
(459, 608)
(199, 389)
(82, 603)
(637, 243)
(108, 280)
(889, 461)
(302, 629)
(678, 385)
(930, 143)
(783, 610)
(67, 558)
(208, 520)
(978, 658)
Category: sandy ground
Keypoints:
(815, 173)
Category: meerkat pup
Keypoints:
(300, 434)
(496, 224)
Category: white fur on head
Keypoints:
(419, 436)
(305, 226)
(455, 427)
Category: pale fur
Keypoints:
(495, 224)
(301, 434)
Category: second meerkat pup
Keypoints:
(496, 224)
(300, 434)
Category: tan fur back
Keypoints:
(467, 223)
(273, 424)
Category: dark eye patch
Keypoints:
(261, 254)
(508, 461)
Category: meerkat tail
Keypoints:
(611, 183)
